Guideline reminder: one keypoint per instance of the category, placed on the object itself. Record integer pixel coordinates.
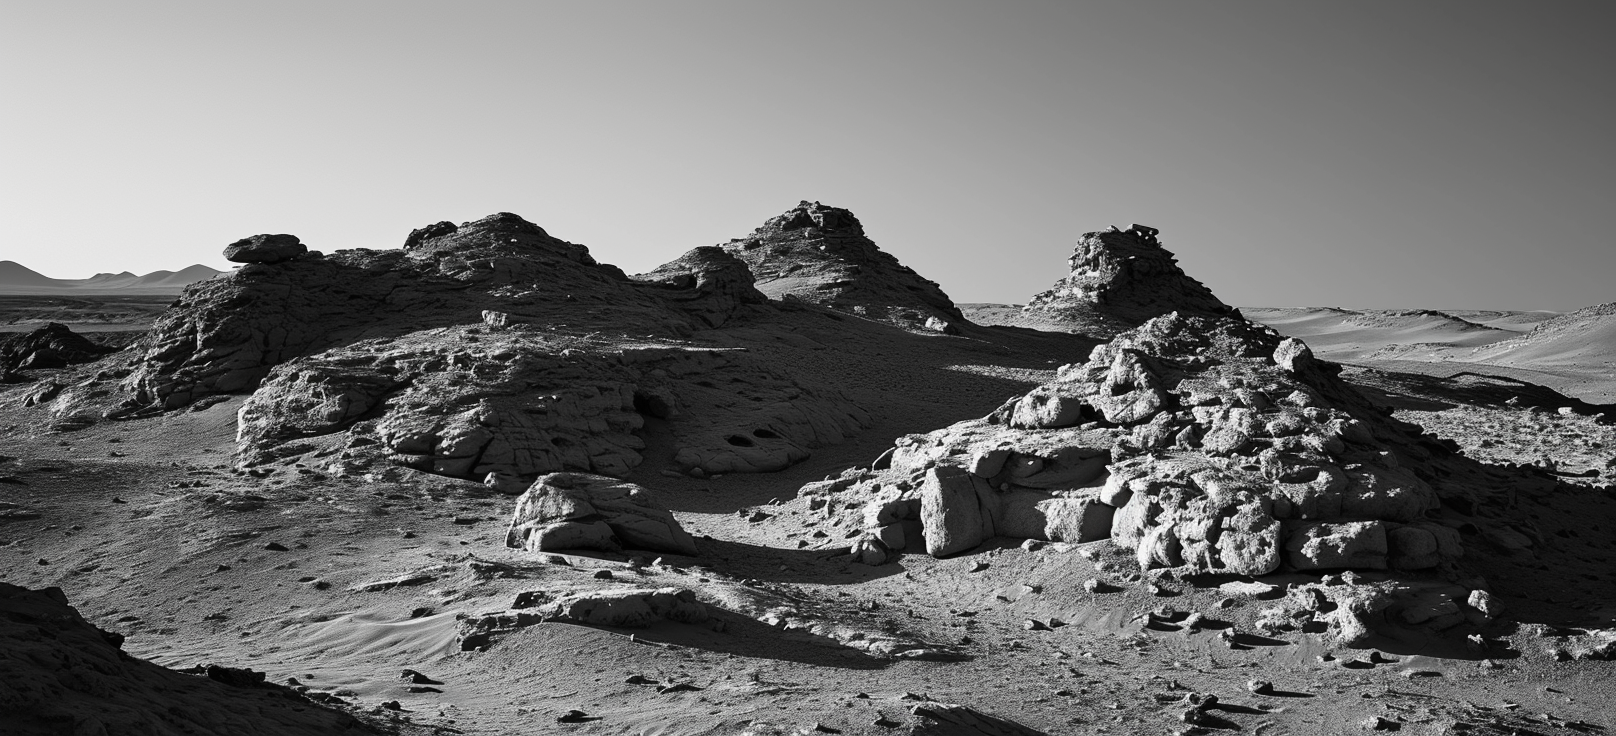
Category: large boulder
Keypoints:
(265, 249)
(576, 511)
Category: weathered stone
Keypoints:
(1046, 408)
(951, 509)
(265, 249)
(1411, 548)
(577, 511)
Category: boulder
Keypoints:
(265, 249)
(952, 510)
(563, 511)
(709, 283)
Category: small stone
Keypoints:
(575, 716)
(1260, 687)
(1379, 723)
(275, 547)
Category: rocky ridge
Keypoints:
(491, 348)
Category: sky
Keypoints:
(1431, 154)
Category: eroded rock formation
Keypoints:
(1197, 439)
(819, 254)
(1118, 280)
(52, 346)
(483, 348)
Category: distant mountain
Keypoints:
(16, 278)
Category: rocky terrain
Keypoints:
(486, 484)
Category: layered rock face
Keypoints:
(1119, 279)
(819, 254)
(477, 349)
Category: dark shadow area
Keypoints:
(750, 561)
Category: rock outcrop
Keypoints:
(1118, 280)
(574, 511)
(1197, 439)
(819, 254)
(483, 348)
(60, 674)
(707, 282)
(52, 346)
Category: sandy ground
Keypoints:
(340, 584)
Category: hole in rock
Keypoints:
(764, 434)
(738, 441)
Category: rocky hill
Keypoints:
(820, 254)
(1118, 280)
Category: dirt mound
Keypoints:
(1118, 280)
(819, 254)
(60, 674)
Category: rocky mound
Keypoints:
(1206, 444)
(484, 348)
(819, 254)
(51, 346)
(1118, 280)
(60, 674)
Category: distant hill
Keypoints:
(17, 279)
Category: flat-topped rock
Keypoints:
(265, 249)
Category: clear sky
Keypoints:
(1373, 154)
